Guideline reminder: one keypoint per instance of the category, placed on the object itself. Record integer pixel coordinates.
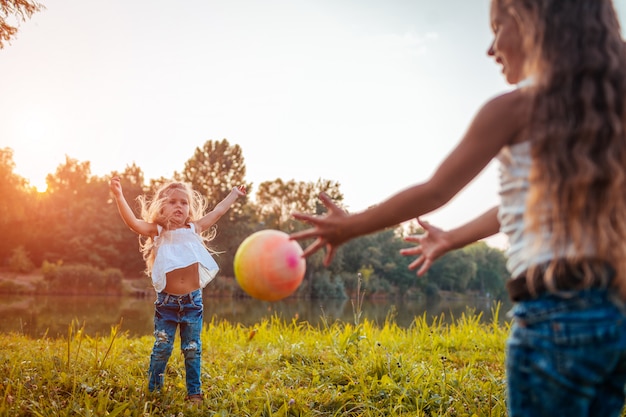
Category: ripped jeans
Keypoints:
(170, 312)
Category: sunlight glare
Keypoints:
(34, 131)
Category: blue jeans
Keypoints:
(172, 311)
(567, 356)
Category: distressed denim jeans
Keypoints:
(567, 356)
(170, 313)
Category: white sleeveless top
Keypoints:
(180, 248)
(525, 249)
(515, 162)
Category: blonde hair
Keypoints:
(577, 60)
(152, 212)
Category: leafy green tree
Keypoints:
(214, 169)
(379, 252)
(19, 10)
(491, 273)
(82, 225)
(277, 200)
(453, 271)
(73, 213)
(355, 260)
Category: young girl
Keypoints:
(180, 265)
(561, 143)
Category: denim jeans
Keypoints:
(171, 312)
(566, 356)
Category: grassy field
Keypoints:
(270, 369)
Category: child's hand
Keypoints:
(431, 245)
(116, 186)
(240, 190)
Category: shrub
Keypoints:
(49, 269)
(83, 279)
(20, 261)
(325, 287)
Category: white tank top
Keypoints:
(180, 248)
(525, 248)
(515, 163)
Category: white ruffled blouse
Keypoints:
(179, 248)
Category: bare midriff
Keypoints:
(182, 281)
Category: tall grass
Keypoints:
(273, 368)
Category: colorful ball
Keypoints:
(269, 266)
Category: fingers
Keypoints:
(317, 245)
(115, 184)
(317, 231)
(411, 251)
(425, 225)
(413, 238)
(428, 228)
(417, 262)
(414, 250)
(304, 217)
(422, 261)
(305, 234)
(330, 254)
(328, 202)
(424, 267)
(313, 247)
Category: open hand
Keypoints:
(431, 245)
(328, 230)
(240, 190)
(115, 186)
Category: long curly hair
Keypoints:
(577, 60)
(152, 212)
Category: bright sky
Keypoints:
(372, 94)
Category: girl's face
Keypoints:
(176, 208)
(506, 48)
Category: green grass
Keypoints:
(271, 369)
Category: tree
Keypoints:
(491, 272)
(214, 170)
(453, 271)
(277, 200)
(380, 253)
(73, 208)
(19, 10)
(16, 206)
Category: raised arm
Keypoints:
(136, 225)
(435, 242)
(220, 209)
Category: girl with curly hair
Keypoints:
(560, 139)
(173, 224)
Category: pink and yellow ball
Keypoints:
(269, 266)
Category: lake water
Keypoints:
(36, 316)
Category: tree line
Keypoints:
(75, 222)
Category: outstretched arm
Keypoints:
(137, 225)
(497, 124)
(220, 209)
(435, 242)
